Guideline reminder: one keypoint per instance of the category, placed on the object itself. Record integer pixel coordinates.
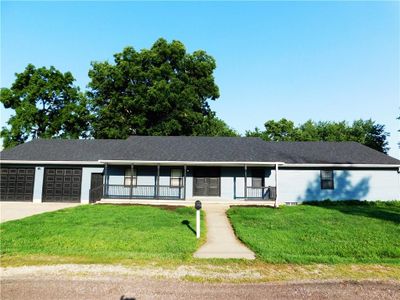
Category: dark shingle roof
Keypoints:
(182, 148)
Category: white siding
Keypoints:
(86, 181)
(38, 185)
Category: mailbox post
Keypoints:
(197, 205)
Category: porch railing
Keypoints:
(259, 193)
(143, 191)
(95, 194)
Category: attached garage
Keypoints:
(16, 183)
(62, 185)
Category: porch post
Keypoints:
(158, 182)
(234, 187)
(131, 189)
(184, 182)
(245, 181)
(276, 185)
(105, 180)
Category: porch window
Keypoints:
(128, 177)
(257, 180)
(176, 177)
(327, 180)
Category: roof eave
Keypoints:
(190, 163)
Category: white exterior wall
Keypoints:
(296, 185)
(38, 185)
(86, 181)
(189, 183)
(227, 183)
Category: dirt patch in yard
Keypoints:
(217, 271)
(166, 207)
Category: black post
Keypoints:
(184, 182)
(105, 180)
(234, 187)
(131, 188)
(158, 182)
(245, 181)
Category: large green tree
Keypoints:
(46, 105)
(158, 91)
(214, 126)
(366, 132)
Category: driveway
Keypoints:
(18, 210)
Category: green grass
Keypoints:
(103, 233)
(325, 233)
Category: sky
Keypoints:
(325, 61)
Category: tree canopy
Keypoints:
(46, 105)
(163, 90)
(159, 91)
(366, 132)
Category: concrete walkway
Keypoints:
(18, 210)
(221, 240)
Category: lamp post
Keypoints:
(197, 205)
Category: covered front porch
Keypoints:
(161, 181)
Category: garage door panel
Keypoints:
(62, 185)
(17, 183)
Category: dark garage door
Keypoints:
(62, 185)
(16, 184)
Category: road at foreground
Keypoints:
(125, 288)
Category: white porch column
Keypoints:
(276, 185)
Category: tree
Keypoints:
(46, 104)
(282, 130)
(366, 132)
(214, 126)
(160, 91)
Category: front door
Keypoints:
(206, 182)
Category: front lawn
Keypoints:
(104, 233)
(323, 233)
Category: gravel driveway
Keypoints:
(18, 210)
(110, 288)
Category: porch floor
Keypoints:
(189, 202)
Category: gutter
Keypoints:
(190, 163)
(344, 165)
(50, 162)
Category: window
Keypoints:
(176, 177)
(128, 177)
(327, 180)
(257, 180)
